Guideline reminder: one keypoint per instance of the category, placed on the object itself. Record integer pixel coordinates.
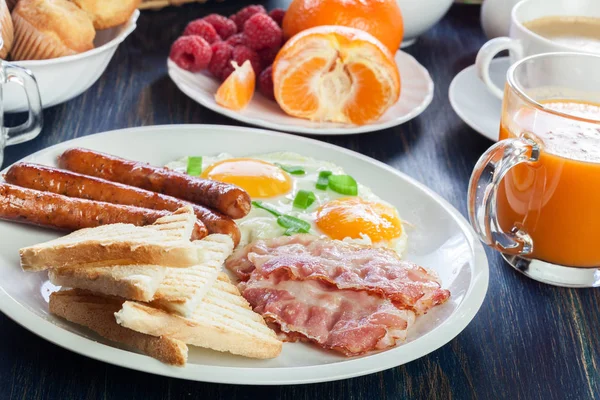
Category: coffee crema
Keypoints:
(582, 33)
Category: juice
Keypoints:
(556, 200)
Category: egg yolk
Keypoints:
(258, 178)
(351, 217)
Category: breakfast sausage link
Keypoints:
(72, 184)
(224, 197)
(65, 213)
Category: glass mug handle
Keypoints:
(32, 127)
(483, 189)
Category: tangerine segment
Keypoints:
(237, 90)
(353, 217)
(337, 74)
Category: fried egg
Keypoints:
(362, 219)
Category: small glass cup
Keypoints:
(535, 195)
(10, 73)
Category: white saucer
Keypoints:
(472, 101)
(416, 94)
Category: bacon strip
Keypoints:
(347, 321)
(378, 271)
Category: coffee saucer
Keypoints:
(472, 101)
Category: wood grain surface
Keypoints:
(529, 340)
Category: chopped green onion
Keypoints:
(343, 184)
(292, 169)
(194, 166)
(262, 205)
(303, 199)
(293, 224)
(323, 180)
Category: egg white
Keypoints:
(260, 224)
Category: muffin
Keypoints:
(108, 13)
(11, 4)
(6, 31)
(50, 28)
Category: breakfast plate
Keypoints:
(416, 95)
(440, 239)
(474, 103)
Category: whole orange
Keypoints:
(380, 18)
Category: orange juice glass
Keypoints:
(535, 195)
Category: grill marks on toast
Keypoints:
(223, 321)
(183, 288)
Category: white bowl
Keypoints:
(420, 15)
(61, 79)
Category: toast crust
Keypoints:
(96, 312)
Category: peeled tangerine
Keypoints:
(337, 74)
(237, 90)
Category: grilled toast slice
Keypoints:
(96, 312)
(166, 243)
(223, 321)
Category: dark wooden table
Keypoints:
(528, 341)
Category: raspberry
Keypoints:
(245, 13)
(191, 53)
(222, 53)
(203, 29)
(262, 32)
(265, 83)
(277, 15)
(223, 25)
(267, 56)
(236, 40)
(243, 53)
(233, 17)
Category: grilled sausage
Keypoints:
(65, 213)
(72, 184)
(224, 197)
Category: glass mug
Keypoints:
(535, 195)
(10, 73)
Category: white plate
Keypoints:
(442, 240)
(472, 101)
(416, 94)
(61, 79)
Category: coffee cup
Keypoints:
(544, 26)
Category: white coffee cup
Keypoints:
(523, 42)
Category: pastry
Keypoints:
(49, 29)
(6, 31)
(108, 13)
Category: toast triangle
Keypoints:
(223, 321)
(166, 243)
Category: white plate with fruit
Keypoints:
(325, 80)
